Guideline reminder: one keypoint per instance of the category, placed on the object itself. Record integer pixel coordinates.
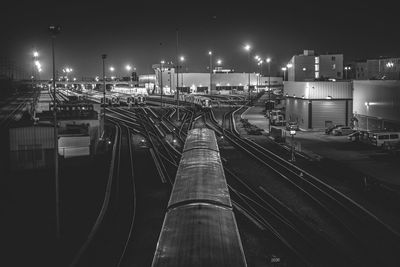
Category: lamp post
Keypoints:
(210, 54)
(248, 48)
(284, 73)
(292, 158)
(129, 68)
(161, 78)
(345, 71)
(367, 105)
(268, 60)
(103, 57)
(182, 59)
(54, 30)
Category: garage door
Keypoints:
(325, 110)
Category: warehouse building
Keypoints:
(316, 105)
(378, 69)
(376, 105)
(227, 81)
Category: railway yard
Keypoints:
(123, 206)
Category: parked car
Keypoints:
(355, 136)
(292, 126)
(342, 130)
(332, 127)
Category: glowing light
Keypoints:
(210, 53)
(289, 65)
(162, 62)
(112, 68)
(284, 68)
(35, 53)
(219, 61)
(304, 69)
(268, 60)
(182, 58)
(247, 47)
(128, 67)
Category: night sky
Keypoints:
(142, 34)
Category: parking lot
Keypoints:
(366, 158)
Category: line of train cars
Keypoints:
(199, 227)
(200, 100)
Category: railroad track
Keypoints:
(107, 242)
(361, 225)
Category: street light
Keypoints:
(268, 60)
(162, 87)
(345, 71)
(247, 47)
(284, 73)
(54, 30)
(182, 59)
(210, 54)
(103, 57)
(292, 158)
(219, 62)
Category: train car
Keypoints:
(199, 227)
(200, 100)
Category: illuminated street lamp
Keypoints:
(210, 67)
(247, 47)
(292, 133)
(182, 59)
(219, 61)
(161, 79)
(35, 54)
(345, 71)
(284, 73)
(268, 60)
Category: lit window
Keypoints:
(316, 67)
(316, 60)
(316, 75)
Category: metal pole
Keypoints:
(161, 70)
(210, 71)
(269, 96)
(293, 158)
(248, 55)
(55, 142)
(104, 56)
(177, 74)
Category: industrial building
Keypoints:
(378, 69)
(376, 105)
(310, 66)
(219, 80)
(315, 105)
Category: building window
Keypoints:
(316, 60)
(334, 66)
(333, 58)
(339, 74)
(316, 67)
(316, 75)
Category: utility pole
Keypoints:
(269, 94)
(249, 76)
(103, 57)
(54, 30)
(210, 53)
(162, 87)
(177, 74)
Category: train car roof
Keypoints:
(201, 138)
(200, 178)
(199, 235)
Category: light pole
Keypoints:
(103, 57)
(210, 54)
(129, 68)
(54, 30)
(367, 105)
(268, 60)
(292, 158)
(248, 48)
(345, 71)
(177, 75)
(182, 59)
(161, 78)
(284, 73)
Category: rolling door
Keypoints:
(323, 110)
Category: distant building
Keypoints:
(221, 80)
(309, 67)
(378, 69)
(315, 105)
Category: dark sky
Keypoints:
(143, 33)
